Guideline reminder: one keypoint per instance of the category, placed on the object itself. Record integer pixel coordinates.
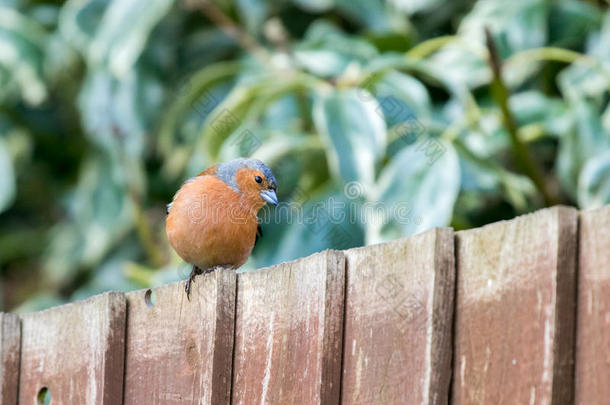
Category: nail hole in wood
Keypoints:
(44, 396)
(150, 298)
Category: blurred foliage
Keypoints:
(107, 106)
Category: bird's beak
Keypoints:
(269, 196)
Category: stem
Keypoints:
(521, 153)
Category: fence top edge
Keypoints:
(11, 316)
(595, 211)
(322, 254)
(436, 231)
(116, 296)
(558, 210)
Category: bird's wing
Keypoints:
(168, 207)
(209, 170)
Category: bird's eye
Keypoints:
(258, 179)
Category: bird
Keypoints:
(212, 220)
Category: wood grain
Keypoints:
(10, 341)
(593, 332)
(515, 310)
(289, 332)
(76, 351)
(398, 321)
(180, 351)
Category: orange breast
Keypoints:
(209, 224)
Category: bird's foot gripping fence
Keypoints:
(513, 312)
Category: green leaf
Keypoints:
(206, 46)
(354, 132)
(79, 21)
(327, 52)
(111, 273)
(7, 178)
(245, 143)
(243, 107)
(579, 80)
(22, 43)
(373, 14)
(599, 42)
(533, 107)
(194, 95)
(594, 182)
(253, 13)
(402, 97)
(18, 23)
(489, 138)
(482, 178)
(476, 177)
(570, 21)
(518, 27)
(61, 61)
(413, 6)
(45, 15)
(325, 220)
(416, 191)
(584, 141)
(101, 213)
(315, 6)
(298, 162)
(468, 69)
(118, 114)
(123, 32)
(286, 113)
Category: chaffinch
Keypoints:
(212, 221)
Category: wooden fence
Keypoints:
(516, 312)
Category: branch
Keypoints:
(521, 153)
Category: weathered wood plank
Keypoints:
(180, 351)
(593, 331)
(398, 321)
(76, 351)
(10, 341)
(515, 310)
(289, 332)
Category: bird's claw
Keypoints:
(187, 287)
(196, 271)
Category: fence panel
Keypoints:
(398, 321)
(289, 332)
(180, 351)
(593, 336)
(10, 340)
(515, 310)
(75, 351)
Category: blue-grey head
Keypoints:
(245, 175)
